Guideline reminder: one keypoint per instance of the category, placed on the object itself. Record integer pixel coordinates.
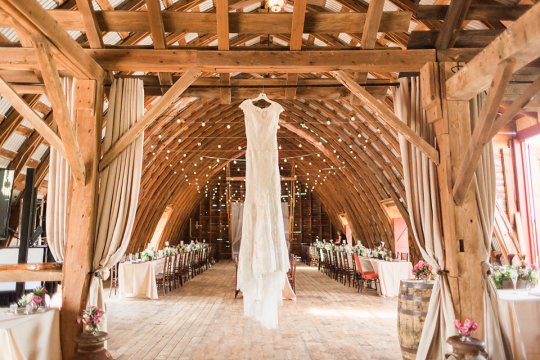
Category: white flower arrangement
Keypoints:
(147, 254)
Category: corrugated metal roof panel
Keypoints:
(4, 163)
(48, 4)
(46, 101)
(10, 34)
(75, 34)
(252, 7)
(288, 8)
(345, 38)
(147, 41)
(475, 25)
(253, 41)
(41, 150)
(96, 5)
(389, 6)
(318, 42)
(279, 41)
(112, 38)
(27, 124)
(207, 5)
(333, 6)
(116, 3)
(14, 142)
(5, 106)
(191, 36)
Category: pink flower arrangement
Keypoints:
(91, 316)
(422, 270)
(39, 295)
(466, 327)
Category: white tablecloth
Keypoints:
(135, 279)
(30, 337)
(521, 313)
(390, 273)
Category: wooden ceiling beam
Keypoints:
(521, 42)
(91, 26)
(482, 130)
(36, 20)
(476, 12)
(388, 116)
(245, 23)
(369, 39)
(62, 114)
(452, 24)
(27, 113)
(166, 100)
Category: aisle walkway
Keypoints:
(202, 320)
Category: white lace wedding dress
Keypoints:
(263, 258)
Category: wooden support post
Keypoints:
(460, 223)
(82, 217)
(225, 93)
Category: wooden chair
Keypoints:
(185, 267)
(178, 276)
(313, 260)
(347, 269)
(337, 266)
(236, 291)
(405, 256)
(162, 279)
(364, 277)
(114, 278)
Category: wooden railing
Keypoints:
(31, 272)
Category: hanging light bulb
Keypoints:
(276, 5)
(228, 126)
(199, 143)
(203, 124)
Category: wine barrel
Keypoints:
(413, 305)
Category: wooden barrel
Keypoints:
(413, 305)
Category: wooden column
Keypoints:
(460, 223)
(82, 216)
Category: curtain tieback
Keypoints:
(443, 272)
(486, 268)
(102, 272)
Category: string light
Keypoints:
(228, 126)
(203, 124)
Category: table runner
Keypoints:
(30, 337)
(136, 279)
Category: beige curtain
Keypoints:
(497, 338)
(422, 192)
(57, 191)
(119, 186)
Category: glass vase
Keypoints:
(90, 330)
(464, 337)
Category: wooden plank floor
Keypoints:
(203, 320)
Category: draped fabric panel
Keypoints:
(58, 189)
(119, 186)
(422, 192)
(498, 344)
(237, 214)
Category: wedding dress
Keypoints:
(263, 259)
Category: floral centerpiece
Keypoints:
(91, 317)
(465, 329)
(528, 273)
(35, 298)
(148, 254)
(422, 270)
(359, 249)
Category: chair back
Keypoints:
(165, 265)
(358, 263)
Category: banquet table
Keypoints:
(139, 278)
(520, 313)
(30, 337)
(390, 274)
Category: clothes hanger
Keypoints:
(262, 96)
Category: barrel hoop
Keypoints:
(417, 285)
(412, 312)
(406, 349)
(414, 298)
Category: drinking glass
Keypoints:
(13, 308)
(514, 277)
(28, 309)
(136, 256)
